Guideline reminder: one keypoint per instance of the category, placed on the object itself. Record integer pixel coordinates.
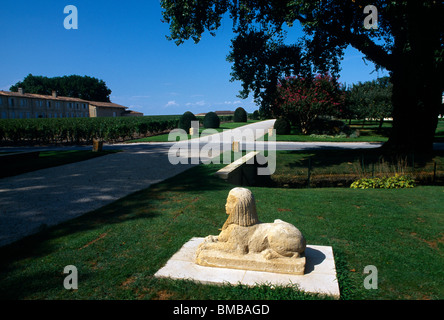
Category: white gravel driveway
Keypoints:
(47, 197)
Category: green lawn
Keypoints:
(439, 133)
(336, 167)
(164, 137)
(48, 159)
(368, 132)
(119, 247)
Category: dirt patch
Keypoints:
(163, 295)
(128, 282)
(432, 243)
(103, 235)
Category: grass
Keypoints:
(341, 167)
(164, 137)
(49, 159)
(439, 133)
(369, 132)
(119, 247)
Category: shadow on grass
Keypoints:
(136, 206)
(335, 167)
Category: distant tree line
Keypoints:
(87, 88)
(369, 100)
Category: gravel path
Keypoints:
(50, 196)
(33, 200)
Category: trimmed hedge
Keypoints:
(394, 182)
(185, 121)
(282, 126)
(81, 130)
(240, 115)
(211, 120)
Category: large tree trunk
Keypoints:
(417, 87)
(416, 101)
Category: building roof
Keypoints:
(106, 104)
(219, 113)
(133, 112)
(61, 98)
(41, 96)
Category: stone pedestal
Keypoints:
(97, 145)
(319, 276)
(251, 261)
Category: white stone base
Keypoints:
(319, 277)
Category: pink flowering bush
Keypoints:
(303, 100)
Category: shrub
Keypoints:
(394, 182)
(240, 115)
(282, 126)
(211, 120)
(303, 100)
(255, 115)
(330, 127)
(185, 121)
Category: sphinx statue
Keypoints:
(246, 243)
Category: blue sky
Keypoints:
(124, 44)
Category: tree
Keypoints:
(408, 41)
(303, 100)
(87, 88)
(185, 121)
(240, 115)
(371, 99)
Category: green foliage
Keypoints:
(260, 54)
(255, 115)
(185, 121)
(80, 130)
(211, 120)
(394, 182)
(282, 126)
(371, 99)
(240, 115)
(322, 126)
(303, 100)
(87, 88)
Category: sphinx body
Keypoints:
(246, 243)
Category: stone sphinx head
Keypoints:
(241, 208)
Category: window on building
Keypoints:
(12, 115)
(11, 102)
(48, 103)
(1, 101)
(28, 115)
(4, 116)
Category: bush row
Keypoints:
(394, 182)
(80, 130)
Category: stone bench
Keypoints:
(243, 171)
(18, 156)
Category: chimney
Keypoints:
(21, 91)
(54, 94)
